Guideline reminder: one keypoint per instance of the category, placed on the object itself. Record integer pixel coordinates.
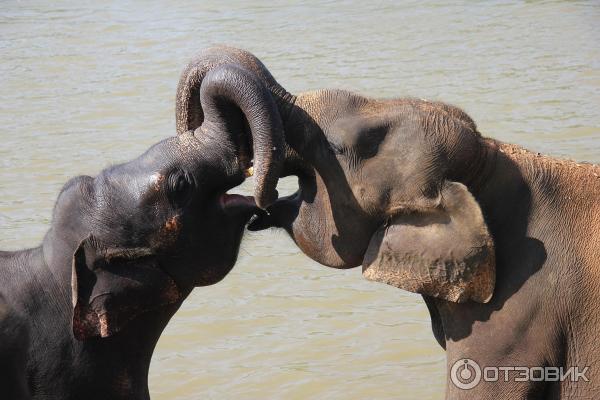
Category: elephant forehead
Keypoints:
(118, 187)
(363, 136)
(168, 152)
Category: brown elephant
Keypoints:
(502, 243)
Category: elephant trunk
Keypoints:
(229, 87)
(188, 108)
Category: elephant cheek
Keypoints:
(315, 240)
(308, 246)
(169, 233)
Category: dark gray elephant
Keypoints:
(14, 343)
(502, 243)
(126, 247)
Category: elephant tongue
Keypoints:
(236, 200)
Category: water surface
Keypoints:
(87, 84)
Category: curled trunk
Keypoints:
(230, 85)
(189, 112)
(221, 77)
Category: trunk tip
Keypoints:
(265, 198)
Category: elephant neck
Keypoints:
(124, 359)
(480, 167)
(522, 181)
(504, 191)
(131, 349)
(120, 362)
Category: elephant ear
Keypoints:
(112, 286)
(444, 252)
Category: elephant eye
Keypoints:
(180, 188)
(336, 148)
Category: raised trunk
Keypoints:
(189, 113)
(191, 110)
(230, 85)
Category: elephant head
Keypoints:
(387, 184)
(142, 234)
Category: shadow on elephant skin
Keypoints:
(347, 240)
(506, 202)
(502, 193)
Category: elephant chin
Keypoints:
(319, 244)
(330, 251)
(234, 211)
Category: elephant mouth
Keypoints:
(236, 205)
(279, 215)
(232, 201)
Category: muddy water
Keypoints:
(84, 85)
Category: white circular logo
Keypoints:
(465, 374)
